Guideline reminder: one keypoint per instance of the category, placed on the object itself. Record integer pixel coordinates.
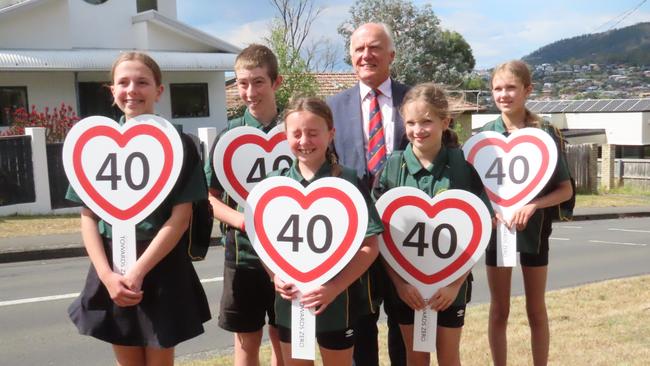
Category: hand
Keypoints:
(410, 295)
(444, 297)
(119, 290)
(498, 219)
(133, 280)
(288, 291)
(319, 298)
(522, 215)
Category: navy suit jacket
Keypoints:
(349, 140)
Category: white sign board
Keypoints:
(123, 173)
(514, 170)
(305, 235)
(431, 242)
(245, 155)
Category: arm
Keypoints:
(445, 296)
(114, 282)
(163, 243)
(223, 212)
(563, 192)
(326, 293)
(407, 292)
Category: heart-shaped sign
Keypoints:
(123, 173)
(514, 169)
(245, 155)
(430, 242)
(306, 234)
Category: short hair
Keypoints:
(386, 30)
(257, 55)
(138, 56)
(313, 105)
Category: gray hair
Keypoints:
(387, 31)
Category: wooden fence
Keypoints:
(16, 178)
(581, 159)
(631, 172)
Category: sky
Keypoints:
(497, 31)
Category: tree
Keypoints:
(57, 121)
(295, 18)
(297, 79)
(423, 50)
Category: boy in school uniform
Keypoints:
(248, 293)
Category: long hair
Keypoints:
(436, 99)
(142, 57)
(521, 71)
(319, 108)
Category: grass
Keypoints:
(11, 226)
(604, 323)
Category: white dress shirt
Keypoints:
(386, 106)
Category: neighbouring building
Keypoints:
(60, 51)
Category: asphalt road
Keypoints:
(35, 330)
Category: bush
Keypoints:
(57, 121)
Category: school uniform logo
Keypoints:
(245, 155)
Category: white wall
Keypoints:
(106, 25)
(45, 25)
(625, 128)
(44, 89)
(161, 39)
(216, 95)
(168, 8)
(620, 128)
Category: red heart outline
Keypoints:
(432, 211)
(122, 139)
(267, 145)
(305, 202)
(507, 146)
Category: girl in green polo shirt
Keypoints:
(433, 163)
(159, 302)
(310, 130)
(511, 86)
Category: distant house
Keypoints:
(54, 51)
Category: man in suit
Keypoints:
(372, 51)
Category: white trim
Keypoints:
(26, 4)
(180, 28)
(101, 60)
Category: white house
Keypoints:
(54, 51)
(622, 122)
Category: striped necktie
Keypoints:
(376, 155)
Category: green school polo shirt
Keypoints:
(433, 179)
(148, 228)
(530, 240)
(239, 251)
(338, 315)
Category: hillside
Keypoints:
(629, 45)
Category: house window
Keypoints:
(95, 99)
(189, 100)
(11, 98)
(144, 5)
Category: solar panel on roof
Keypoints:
(643, 105)
(626, 105)
(583, 107)
(598, 106)
(560, 106)
(613, 104)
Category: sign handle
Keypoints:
(425, 326)
(303, 331)
(506, 246)
(124, 247)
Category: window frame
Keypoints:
(2, 107)
(173, 93)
